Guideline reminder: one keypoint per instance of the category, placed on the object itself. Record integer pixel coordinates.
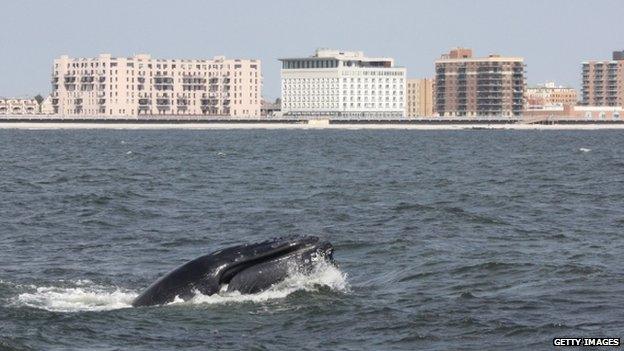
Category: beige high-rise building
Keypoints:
(144, 86)
(474, 86)
(419, 97)
(603, 82)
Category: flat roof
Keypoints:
(481, 59)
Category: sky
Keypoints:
(554, 36)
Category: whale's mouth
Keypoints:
(283, 248)
(233, 270)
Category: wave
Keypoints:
(85, 295)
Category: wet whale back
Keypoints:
(182, 281)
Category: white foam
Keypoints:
(584, 149)
(84, 295)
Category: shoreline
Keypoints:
(263, 125)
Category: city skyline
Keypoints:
(554, 37)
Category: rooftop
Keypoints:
(465, 55)
(341, 55)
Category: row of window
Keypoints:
(98, 64)
(312, 63)
(99, 73)
(345, 105)
(364, 90)
(344, 93)
(352, 98)
(344, 80)
(372, 73)
(344, 86)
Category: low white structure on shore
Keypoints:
(46, 106)
(19, 107)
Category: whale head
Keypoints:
(247, 268)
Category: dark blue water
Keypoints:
(445, 240)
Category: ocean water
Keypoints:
(444, 240)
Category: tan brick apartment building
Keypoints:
(142, 85)
(471, 86)
(419, 97)
(603, 82)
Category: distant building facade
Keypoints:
(342, 83)
(549, 94)
(603, 81)
(18, 107)
(419, 97)
(470, 86)
(142, 85)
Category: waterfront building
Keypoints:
(479, 86)
(549, 94)
(18, 106)
(419, 97)
(603, 81)
(142, 85)
(336, 83)
(563, 113)
(46, 106)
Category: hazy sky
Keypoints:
(554, 36)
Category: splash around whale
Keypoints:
(247, 268)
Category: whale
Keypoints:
(247, 268)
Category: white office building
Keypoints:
(336, 83)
